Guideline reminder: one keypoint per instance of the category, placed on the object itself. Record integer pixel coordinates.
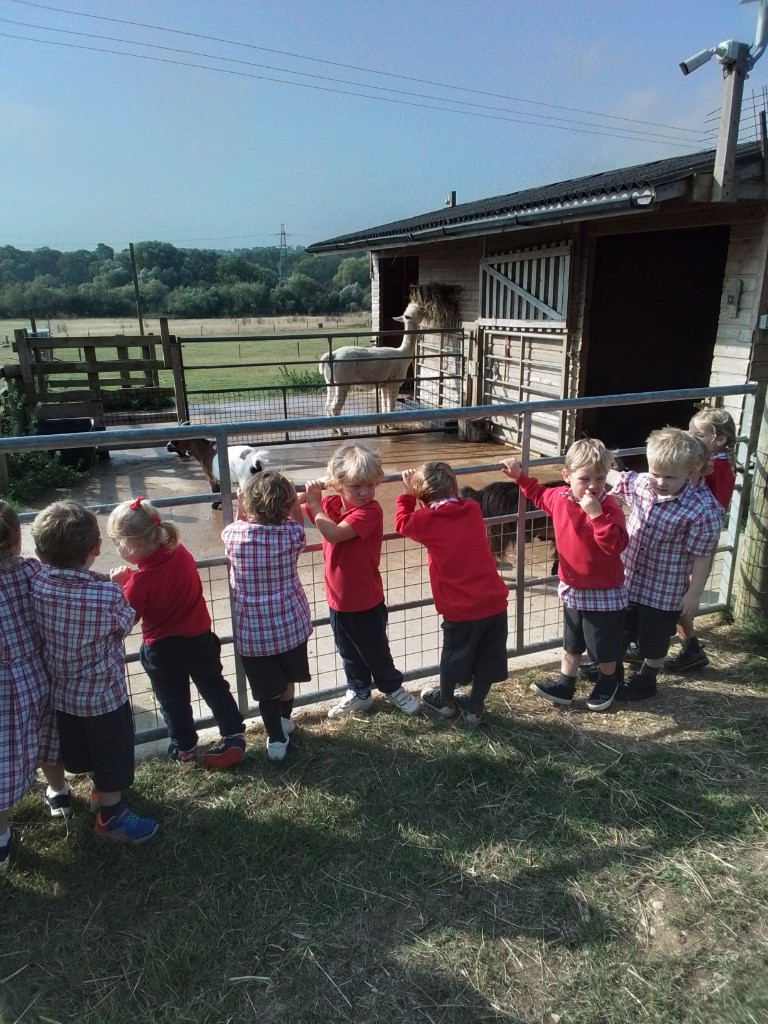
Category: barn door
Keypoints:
(523, 338)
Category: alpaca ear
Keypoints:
(400, 319)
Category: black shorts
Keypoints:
(475, 652)
(269, 674)
(101, 745)
(599, 633)
(651, 629)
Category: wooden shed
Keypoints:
(625, 281)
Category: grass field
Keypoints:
(263, 360)
(550, 868)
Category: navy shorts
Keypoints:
(101, 745)
(269, 674)
(599, 633)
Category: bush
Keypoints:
(29, 473)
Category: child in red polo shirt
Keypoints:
(177, 642)
(351, 525)
(467, 590)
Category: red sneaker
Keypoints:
(227, 752)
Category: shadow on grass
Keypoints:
(391, 869)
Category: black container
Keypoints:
(78, 458)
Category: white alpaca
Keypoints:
(387, 367)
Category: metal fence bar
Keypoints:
(536, 607)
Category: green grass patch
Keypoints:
(549, 867)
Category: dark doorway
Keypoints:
(652, 326)
(396, 275)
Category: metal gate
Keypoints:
(523, 338)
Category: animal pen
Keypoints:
(414, 626)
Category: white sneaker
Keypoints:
(404, 701)
(288, 725)
(350, 703)
(276, 751)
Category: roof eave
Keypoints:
(636, 200)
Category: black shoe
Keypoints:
(590, 671)
(556, 693)
(686, 660)
(60, 806)
(603, 694)
(635, 688)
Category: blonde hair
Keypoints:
(721, 422)
(352, 463)
(672, 448)
(268, 497)
(702, 457)
(140, 520)
(65, 534)
(10, 531)
(433, 481)
(588, 451)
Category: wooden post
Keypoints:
(172, 359)
(727, 137)
(750, 596)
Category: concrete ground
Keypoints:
(155, 473)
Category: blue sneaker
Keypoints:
(125, 827)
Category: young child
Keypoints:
(691, 654)
(272, 617)
(673, 530)
(176, 638)
(590, 535)
(351, 526)
(467, 590)
(715, 427)
(82, 619)
(27, 726)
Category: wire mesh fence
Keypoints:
(525, 560)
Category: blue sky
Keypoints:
(107, 147)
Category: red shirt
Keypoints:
(352, 577)
(588, 550)
(462, 572)
(721, 480)
(166, 593)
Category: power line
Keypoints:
(348, 67)
(606, 131)
(233, 60)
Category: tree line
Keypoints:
(180, 283)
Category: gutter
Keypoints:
(559, 212)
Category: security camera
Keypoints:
(697, 60)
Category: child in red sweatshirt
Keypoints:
(590, 534)
(466, 588)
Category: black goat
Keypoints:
(501, 499)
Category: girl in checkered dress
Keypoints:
(272, 619)
(27, 725)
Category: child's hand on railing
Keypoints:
(407, 476)
(511, 468)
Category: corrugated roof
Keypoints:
(593, 186)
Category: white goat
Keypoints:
(387, 367)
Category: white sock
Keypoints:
(51, 791)
(5, 838)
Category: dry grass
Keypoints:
(551, 867)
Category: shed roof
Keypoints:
(578, 197)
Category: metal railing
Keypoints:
(534, 609)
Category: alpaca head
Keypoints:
(412, 316)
